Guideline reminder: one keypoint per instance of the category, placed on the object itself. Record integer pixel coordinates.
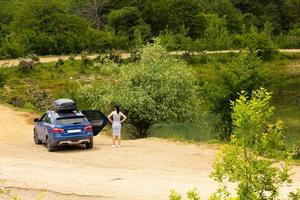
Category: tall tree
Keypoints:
(95, 11)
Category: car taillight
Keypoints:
(88, 128)
(57, 130)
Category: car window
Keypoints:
(46, 119)
(71, 121)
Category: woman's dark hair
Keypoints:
(117, 108)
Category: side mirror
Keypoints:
(36, 120)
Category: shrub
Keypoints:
(26, 65)
(40, 98)
(296, 151)
(86, 61)
(259, 42)
(115, 56)
(240, 162)
(191, 195)
(17, 102)
(60, 62)
(174, 195)
(243, 73)
(295, 195)
(2, 78)
(72, 57)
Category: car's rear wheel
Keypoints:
(50, 147)
(89, 145)
(36, 139)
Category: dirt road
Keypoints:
(47, 59)
(139, 170)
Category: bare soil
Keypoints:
(140, 170)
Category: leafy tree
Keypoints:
(224, 8)
(216, 35)
(243, 73)
(49, 28)
(259, 42)
(94, 10)
(256, 177)
(127, 20)
(156, 89)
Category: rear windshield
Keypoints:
(71, 121)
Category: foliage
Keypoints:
(25, 65)
(40, 98)
(2, 78)
(295, 195)
(191, 195)
(174, 195)
(60, 62)
(85, 60)
(259, 42)
(155, 89)
(243, 73)
(216, 35)
(240, 162)
(17, 101)
(127, 21)
(46, 27)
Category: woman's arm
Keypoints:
(109, 117)
(124, 117)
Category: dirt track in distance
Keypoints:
(47, 59)
(140, 170)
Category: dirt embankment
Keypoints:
(139, 170)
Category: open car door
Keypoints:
(97, 119)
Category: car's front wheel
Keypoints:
(50, 146)
(89, 145)
(36, 139)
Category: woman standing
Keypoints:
(115, 119)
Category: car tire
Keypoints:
(50, 147)
(35, 138)
(89, 145)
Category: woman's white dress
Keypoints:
(116, 125)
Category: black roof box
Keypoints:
(64, 105)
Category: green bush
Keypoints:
(17, 101)
(295, 195)
(259, 42)
(3, 77)
(243, 73)
(41, 99)
(241, 162)
(191, 195)
(60, 62)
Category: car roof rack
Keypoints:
(64, 105)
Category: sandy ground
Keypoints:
(140, 170)
(47, 59)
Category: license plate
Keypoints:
(74, 131)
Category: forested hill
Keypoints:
(47, 27)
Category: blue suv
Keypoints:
(67, 127)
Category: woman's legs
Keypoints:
(119, 140)
(114, 140)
